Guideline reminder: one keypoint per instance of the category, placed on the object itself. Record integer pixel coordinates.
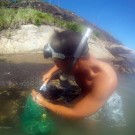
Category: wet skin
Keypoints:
(97, 80)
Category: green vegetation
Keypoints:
(13, 18)
(97, 34)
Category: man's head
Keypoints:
(64, 44)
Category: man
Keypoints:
(97, 79)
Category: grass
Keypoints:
(97, 34)
(13, 18)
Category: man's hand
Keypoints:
(47, 77)
(38, 98)
(49, 74)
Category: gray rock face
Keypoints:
(124, 58)
(100, 52)
(118, 49)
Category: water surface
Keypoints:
(20, 73)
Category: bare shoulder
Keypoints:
(103, 86)
(105, 80)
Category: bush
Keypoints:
(13, 18)
(97, 34)
(74, 26)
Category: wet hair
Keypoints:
(66, 42)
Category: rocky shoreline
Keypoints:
(31, 39)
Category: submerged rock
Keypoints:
(62, 92)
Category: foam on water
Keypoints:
(112, 112)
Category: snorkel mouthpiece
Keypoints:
(63, 77)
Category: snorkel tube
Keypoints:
(77, 54)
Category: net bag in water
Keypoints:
(35, 119)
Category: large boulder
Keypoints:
(26, 39)
(118, 49)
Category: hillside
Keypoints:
(67, 16)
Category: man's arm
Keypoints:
(85, 107)
(100, 91)
(47, 76)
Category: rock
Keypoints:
(62, 92)
(116, 50)
(11, 103)
(100, 52)
(27, 39)
(134, 70)
(123, 57)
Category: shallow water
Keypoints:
(22, 72)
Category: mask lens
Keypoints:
(47, 52)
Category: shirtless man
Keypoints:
(97, 79)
